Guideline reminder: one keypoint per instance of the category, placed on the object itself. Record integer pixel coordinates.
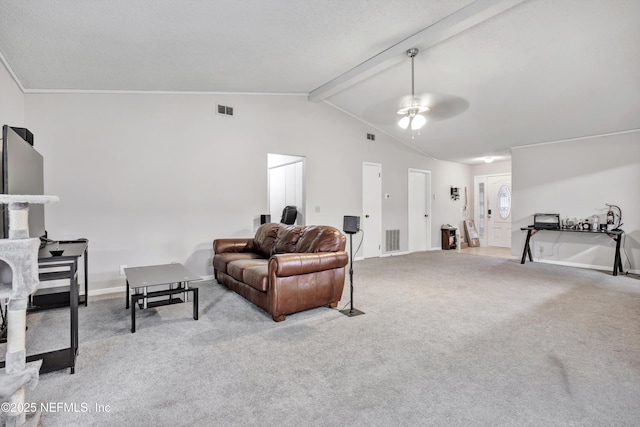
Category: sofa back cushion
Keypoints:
(287, 238)
(320, 238)
(274, 238)
(265, 238)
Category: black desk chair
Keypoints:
(289, 215)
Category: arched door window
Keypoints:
(504, 202)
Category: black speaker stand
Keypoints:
(351, 312)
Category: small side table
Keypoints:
(449, 239)
(140, 278)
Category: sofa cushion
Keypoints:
(287, 238)
(320, 239)
(257, 277)
(220, 261)
(236, 268)
(265, 238)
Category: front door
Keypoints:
(499, 210)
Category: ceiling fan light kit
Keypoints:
(416, 121)
(412, 113)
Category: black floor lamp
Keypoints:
(351, 226)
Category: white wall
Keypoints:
(445, 210)
(152, 178)
(11, 100)
(493, 168)
(575, 179)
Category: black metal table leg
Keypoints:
(138, 296)
(195, 303)
(86, 276)
(73, 293)
(527, 249)
(620, 263)
(133, 312)
(126, 297)
(617, 260)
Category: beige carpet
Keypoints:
(492, 251)
(447, 339)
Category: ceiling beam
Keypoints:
(465, 18)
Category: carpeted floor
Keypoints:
(448, 339)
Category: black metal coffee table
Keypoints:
(176, 276)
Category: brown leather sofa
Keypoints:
(284, 269)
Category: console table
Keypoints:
(62, 267)
(616, 235)
(48, 268)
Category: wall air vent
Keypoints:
(225, 110)
(392, 240)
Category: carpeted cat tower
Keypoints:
(21, 254)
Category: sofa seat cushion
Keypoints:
(244, 269)
(257, 277)
(220, 261)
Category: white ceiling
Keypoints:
(498, 73)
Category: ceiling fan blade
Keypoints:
(441, 107)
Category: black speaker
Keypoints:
(24, 134)
(265, 219)
(351, 224)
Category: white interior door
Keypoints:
(499, 210)
(419, 210)
(371, 221)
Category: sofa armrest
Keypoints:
(293, 264)
(232, 245)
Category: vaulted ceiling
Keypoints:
(496, 73)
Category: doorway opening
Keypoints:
(286, 185)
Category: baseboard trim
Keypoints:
(107, 291)
(608, 268)
(389, 254)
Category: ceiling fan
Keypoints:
(411, 113)
(436, 106)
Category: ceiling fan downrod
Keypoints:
(411, 53)
(412, 117)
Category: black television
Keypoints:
(21, 172)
